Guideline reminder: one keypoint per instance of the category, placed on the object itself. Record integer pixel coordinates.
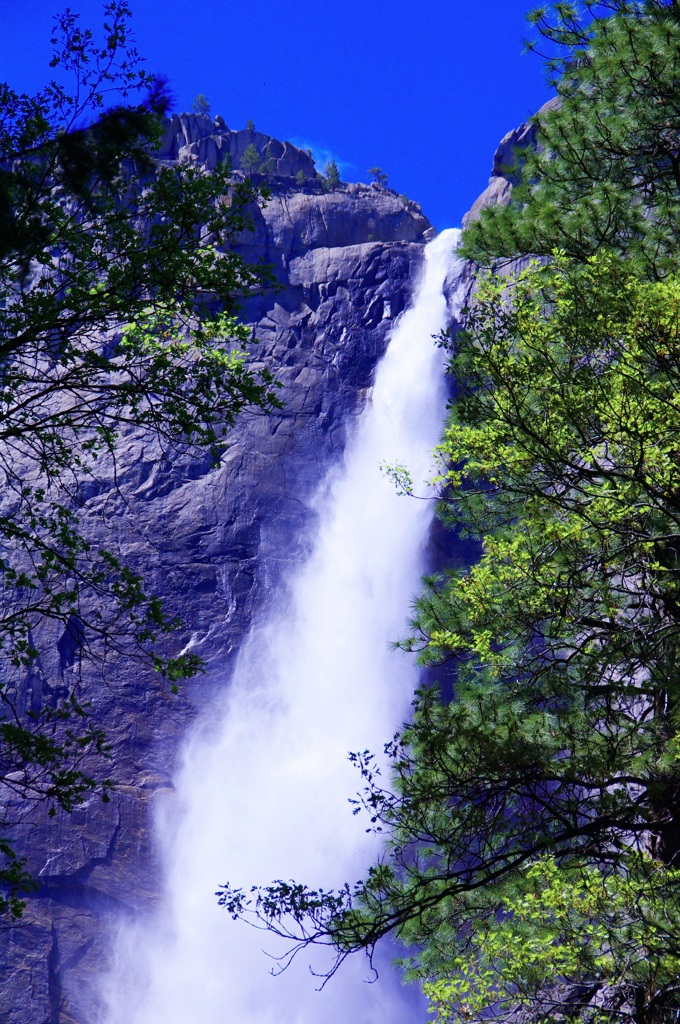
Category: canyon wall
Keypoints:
(213, 542)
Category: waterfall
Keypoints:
(263, 788)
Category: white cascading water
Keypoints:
(264, 784)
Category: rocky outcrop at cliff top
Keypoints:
(505, 163)
(212, 541)
(199, 139)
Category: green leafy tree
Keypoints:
(532, 822)
(200, 104)
(332, 174)
(268, 165)
(377, 175)
(250, 126)
(300, 177)
(562, 739)
(561, 923)
(250, 159)
(118, 298)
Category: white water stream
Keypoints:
(263, 788)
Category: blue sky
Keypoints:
(423, 88)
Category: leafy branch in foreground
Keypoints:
(571, 923)
(532, 819)
(562, 739)
(118, 312)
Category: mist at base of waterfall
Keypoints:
(263, 788)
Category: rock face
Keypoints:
(503, 176)
(212, 541)
(215, 542)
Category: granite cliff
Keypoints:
(215, 542)
(212, 541)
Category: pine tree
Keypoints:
(332, 173)
(605, 171)
(200, 104)
(377, 175)
(250, 159)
